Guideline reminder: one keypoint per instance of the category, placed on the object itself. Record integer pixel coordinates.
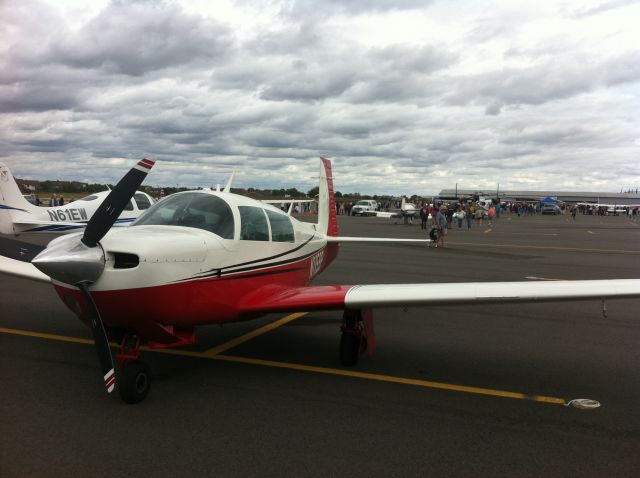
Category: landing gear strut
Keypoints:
(357, 336)
(135, 375)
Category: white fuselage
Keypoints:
(188, 275)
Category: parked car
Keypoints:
(31, 198)
(550, 209)
(366, 207)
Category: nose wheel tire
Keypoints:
(135, 381)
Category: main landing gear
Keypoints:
(134, 380)
(357, 336)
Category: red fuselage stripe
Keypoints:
(211, 300)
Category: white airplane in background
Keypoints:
(17, 215)
(211, 257)
(611, 208)
(407, 210)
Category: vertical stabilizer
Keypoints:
(12, 202)
(327, 220)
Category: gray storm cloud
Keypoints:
(466, 98)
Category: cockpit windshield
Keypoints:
(199, 210)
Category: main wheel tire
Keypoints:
(349, 345)
(135, 381)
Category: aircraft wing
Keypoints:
(404, 295)
(21, 269)
(388, 214)
(15, 259)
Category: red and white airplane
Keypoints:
(18, 216)
(203, 257)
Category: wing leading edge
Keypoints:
(15, 259)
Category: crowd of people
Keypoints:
(439, 217)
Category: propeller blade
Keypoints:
(100, 339)
(114, 204)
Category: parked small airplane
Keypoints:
(203, 257)
(407, 211)
(17, 215)
(610, 208)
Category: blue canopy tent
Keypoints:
(549, 200)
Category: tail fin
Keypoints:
(11, 201)
(327, 220)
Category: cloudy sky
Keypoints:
(406, 96)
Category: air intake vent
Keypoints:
(123, 260)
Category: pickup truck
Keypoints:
(366, 207)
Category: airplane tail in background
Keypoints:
(327, 218)
(12, 202)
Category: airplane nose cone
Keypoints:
(71, 261)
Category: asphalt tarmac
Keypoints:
(450, 391)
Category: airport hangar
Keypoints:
(564, 196)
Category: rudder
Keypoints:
(327, 217)
(11, 200)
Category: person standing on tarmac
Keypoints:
(461, 215)
(441, 227)
(424, 215)
(492, 215)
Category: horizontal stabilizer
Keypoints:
(372, 239)
(285, 201)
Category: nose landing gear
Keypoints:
(135, 375)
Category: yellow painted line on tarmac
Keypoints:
(393, 379)
(41, 335)
(313, 369)
(253, 334)
(549, 248)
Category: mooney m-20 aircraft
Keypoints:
(17, 215)
(203, 257)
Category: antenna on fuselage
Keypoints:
(227, 188)
(290, 208)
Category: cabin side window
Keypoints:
(253, 224)
(281, 227)
(142, 201)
